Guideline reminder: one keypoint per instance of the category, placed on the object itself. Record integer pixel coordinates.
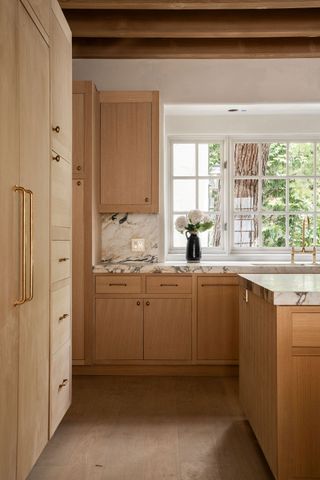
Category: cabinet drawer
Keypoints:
(208, 281)
(306, 329)
(118, 284)
(60, 387)
(60, 260)
(61, 192)
(169, 284)
(60, 316)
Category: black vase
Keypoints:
(193, 252)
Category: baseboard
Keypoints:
(159, 370)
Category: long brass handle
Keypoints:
(22, 299)
(117, 284)
(169, 285)
(65, 315)
(64, 383)
(31, 262)
(63, 259)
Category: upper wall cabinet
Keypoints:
(61, 84)
(129, 174)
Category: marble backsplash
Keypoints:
(118, 229)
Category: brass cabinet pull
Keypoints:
(78, 183)
(78, 168)
(117, 284)
(56, 129)
(31, 263)
(57, 158)
(22, 299)
(64, 383)
(138, 303)
(146, 199)
(63, 259)
(148, 303)
(65, 315)
(169, 285)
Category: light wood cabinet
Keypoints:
(129, 170)
(61, 194)
(119, 329)
(167, 329)
(60, 385)
(9, 239)
(34, 176)
(218, 318)
(61, 83)
(41, 8)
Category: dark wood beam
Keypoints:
(196, 48)
(187, 4)
(197, 24)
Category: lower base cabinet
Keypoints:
(167, 329)
(143, 329)
(60, 386)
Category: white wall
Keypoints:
(209, 81)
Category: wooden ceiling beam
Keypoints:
(197, 24)
(187, 4)
(199, 48)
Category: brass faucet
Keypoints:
(303, 249)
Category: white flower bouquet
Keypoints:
(194, 222)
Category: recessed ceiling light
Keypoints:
(233, 110)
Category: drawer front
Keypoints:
(118, 284)
(60, 260)
(61, 192)
(208, 281)
(60, 316)
(169, 284)
(306, 329)
(60, 387)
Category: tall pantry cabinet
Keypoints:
(24, 237)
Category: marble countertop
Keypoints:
(205, 267)
(285, 289)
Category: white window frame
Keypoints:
(227, 251)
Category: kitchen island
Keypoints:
(280, 369)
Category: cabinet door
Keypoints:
(218, 322)
(9, 235)
(34, 175)
(79, 133)
(78, 290)
(61, 83)
(42, 11)
(129, 152)
(61, 195)
(167, 329)
(119, 329)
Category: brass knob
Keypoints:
(56, 129)
(78, 168)
(148, 303)
(138, 303)
(146, 199)
(78, 183)
(57, 158)
(64, 259)
(65, 315)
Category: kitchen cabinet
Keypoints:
(60, 219)
(119, 329)
(61, 83)
(279, 381)
(167, 329)
(33, 397)
(129, 149)
(86, 226)
(218, 318)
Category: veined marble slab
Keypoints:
(203, 267)
(285, 289)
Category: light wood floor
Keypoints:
(153, 428)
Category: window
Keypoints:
(260, 192)
(197, 183)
